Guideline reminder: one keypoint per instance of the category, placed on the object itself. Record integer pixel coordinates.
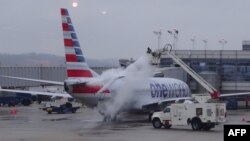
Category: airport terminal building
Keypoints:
(228, 70)
(43, 73)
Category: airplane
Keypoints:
(118, 90)
(84, 84)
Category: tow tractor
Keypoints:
(61, 106)
(204, 113)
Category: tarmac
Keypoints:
(32, 124)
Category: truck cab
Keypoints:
(199, 115)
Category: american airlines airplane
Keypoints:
(85, 85)
(81, 79)
(124, 90)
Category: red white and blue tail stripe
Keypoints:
(75, 61)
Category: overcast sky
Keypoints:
(126, 29)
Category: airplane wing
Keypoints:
(151, 105)
(37, 93)
(235, 94)
(158, 102)
(167, 100)
(174, 99)
(189, 98)
(34, 80)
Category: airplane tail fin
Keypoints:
(76, 64)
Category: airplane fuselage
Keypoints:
(146, 92)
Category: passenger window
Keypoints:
(198, 111)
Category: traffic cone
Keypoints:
(13, 111)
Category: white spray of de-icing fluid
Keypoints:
(135, 74)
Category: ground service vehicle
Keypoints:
(16, 99)
(61, 106)
(199, 115)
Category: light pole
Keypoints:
(174, 33)
(193, 42)
(158, 34)
(222, 42)
(205, 42)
